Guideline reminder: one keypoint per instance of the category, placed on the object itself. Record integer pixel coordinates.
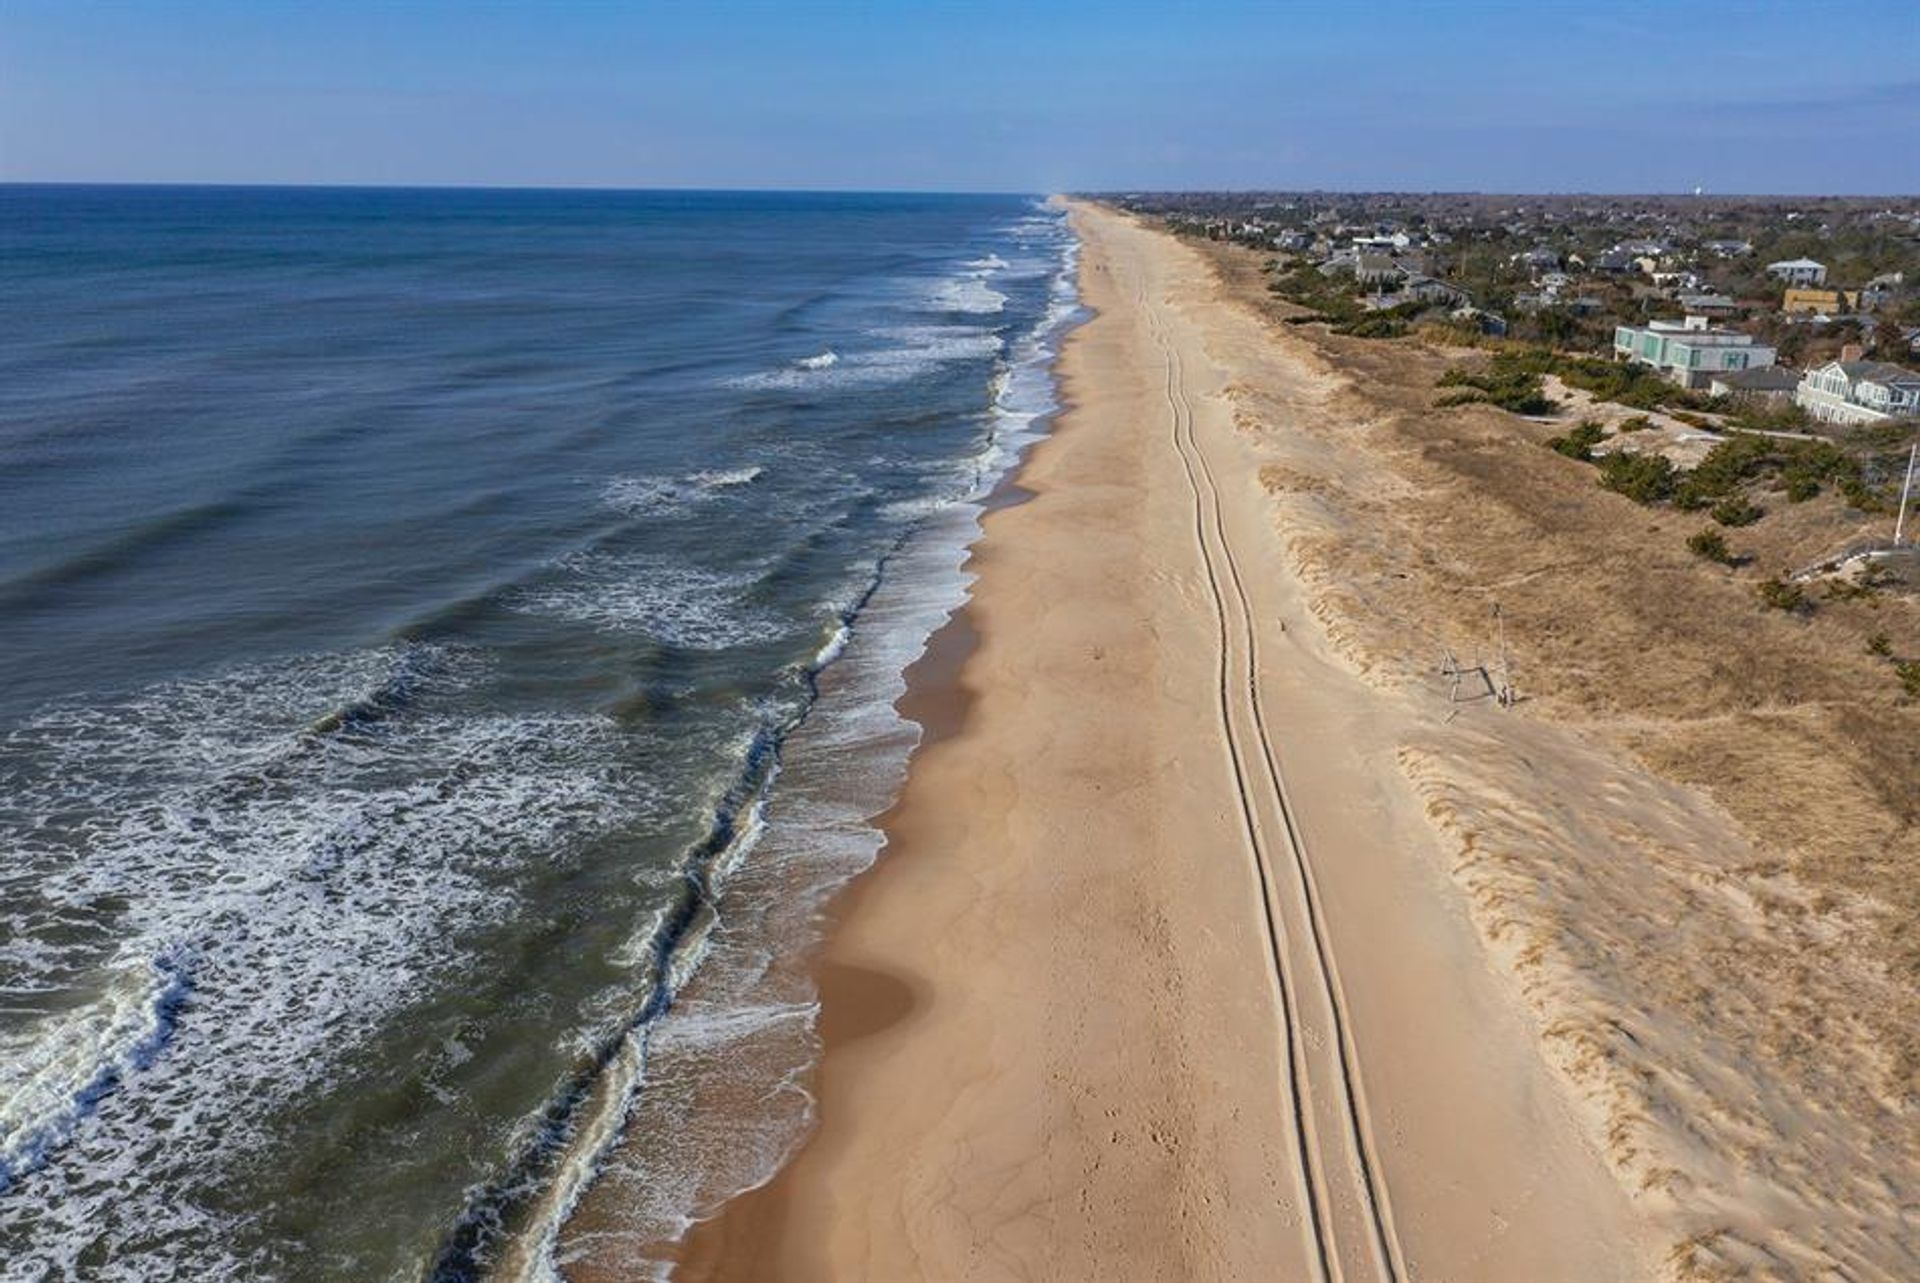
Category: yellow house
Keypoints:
(1815, 301)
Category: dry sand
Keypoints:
(1172, 968)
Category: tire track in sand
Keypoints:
(1295, 914)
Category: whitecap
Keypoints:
(673, 496)
(970, 294)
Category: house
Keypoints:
(1428, 290)
(1881, 290)
(1538, 260)
(1377, 269)
(1486, 322)
(1852, 391)
(1614, 261)
(1690, 352)
(1707, 305)
(1676, 279)
(1798, 271)
(1764, 383)
(1382, 243)
(1817, 302)
(1727, 249)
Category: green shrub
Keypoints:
(1712, 545)
(1638, 423)
(1580, 440)
(1851, 590)
(1508, 382)
(1643, 478)
(1744, 457)
(1854, 490)
(1908, 671)
(1379, 326)
(1778, 594)
(1880, 644)
(1736, 510)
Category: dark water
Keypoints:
(404, 600)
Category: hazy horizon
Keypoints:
(1496, 98)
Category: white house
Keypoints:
(1856, 392)
(1690, 352)
(1798, 271)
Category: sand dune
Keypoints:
(1691, 845)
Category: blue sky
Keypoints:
(1804, 96)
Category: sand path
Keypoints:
(1163, 975)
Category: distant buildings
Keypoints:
(1690, 352)
(1798, 271)
(1856, 391)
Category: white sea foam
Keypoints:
(820, 362)
(675, 496)
(302, 887)
(676, 603)
(903, 353)
(969, 294)
(52, 1073)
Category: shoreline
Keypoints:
(1051, 1047)
(857, 1002)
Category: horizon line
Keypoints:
(1093, 193)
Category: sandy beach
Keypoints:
(1163, 974)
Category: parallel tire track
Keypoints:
(1228, 591)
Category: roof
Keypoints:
(1766, 378)
(1878, 372)
(1796, 262)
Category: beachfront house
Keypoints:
(1763, 384)
(1798, 271)
(1690, 352)
(1377, 270)
(1852, 391)
(1427, 290)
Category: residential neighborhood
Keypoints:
(1802, 306)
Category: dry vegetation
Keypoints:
(1746, 1022)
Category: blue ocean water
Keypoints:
(436, 628)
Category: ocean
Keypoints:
(448, 642)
